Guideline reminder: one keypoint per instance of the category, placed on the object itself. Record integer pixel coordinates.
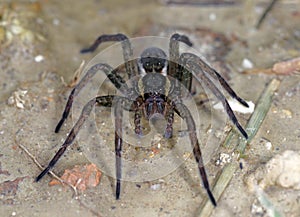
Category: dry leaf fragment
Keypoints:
(281, 68)
(287, 67)
(9, 188)
(81, 176)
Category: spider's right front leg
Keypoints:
(100, 100)
(113, 76)
(130, 65)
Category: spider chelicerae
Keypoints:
(157, 82)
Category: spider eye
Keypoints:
(147, 65)
(153, 59)
(160, 64)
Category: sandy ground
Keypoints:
(40, 44)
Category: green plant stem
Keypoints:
(253, 125)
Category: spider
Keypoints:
(156, 89)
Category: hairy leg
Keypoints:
(194, 64)
(185, 114)
(175, 70)
(111, 74)
(101, 101)
(130, 65)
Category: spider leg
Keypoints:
(130, 65)
(185, 114)
(138, 116)
(121, 103)
(100, 100)
(213, 73)
(175, 70)
(229, 90)
(118, 145)
(170, 120)
(222, 81)
(111, 74)
(107, 38)
(193, 63)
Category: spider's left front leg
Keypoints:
(181, 76)
(203, 72)
(185, 114)
(175, 70)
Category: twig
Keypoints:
(259, 114)
(253, 125)
(263, 16)
(219, 188)
(76, 76)
(51, 173)
(213, 3)
(59, 179)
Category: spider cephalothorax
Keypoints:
(154, 59)
(153, 82)
(157, 86)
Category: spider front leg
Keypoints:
(131, 66)
(201, 71)
(175, 70)
(212, 72)
(100, 100)
(113, 75)
(185, 114)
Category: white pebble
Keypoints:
(223, 159)
(156, 187)
(212, 16)
(56, 22)
(268, 145)
(247, 64)
(39, 58)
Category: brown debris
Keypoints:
(9, 188)
(3, 172)
(81, 176)
(287, 67)
(281, 68)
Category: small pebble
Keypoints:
(39, 58)
(56, 22)
(212, 16)
(268, 145)
(247, 64)
(155, 187)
